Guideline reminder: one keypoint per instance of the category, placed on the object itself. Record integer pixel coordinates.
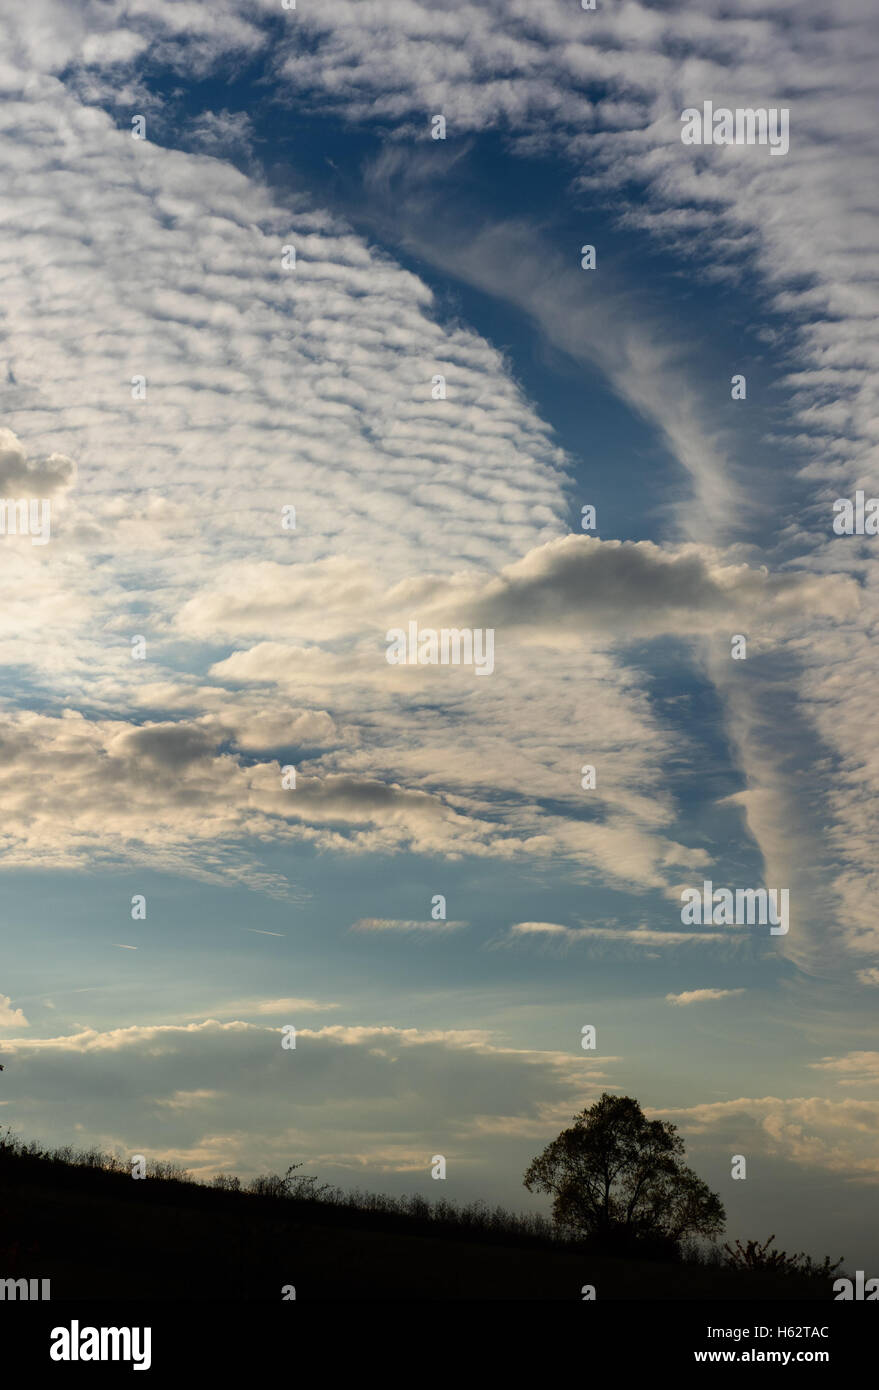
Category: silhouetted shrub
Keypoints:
(755, 1256)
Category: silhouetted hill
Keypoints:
(84, 1223)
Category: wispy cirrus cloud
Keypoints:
(386, 924)
(634, 942)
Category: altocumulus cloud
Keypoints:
(527, 74)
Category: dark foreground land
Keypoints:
(102, 1235)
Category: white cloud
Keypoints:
(180, 279)
(11, 1017)
(798, 227)
(854, 1069)
(701, 996)
(635, 942)
(540, 928)
(276, 1007)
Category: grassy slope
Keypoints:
(106, 1236)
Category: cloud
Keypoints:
(185, 1100)
(21, 477)
(606, 96)
(655, 938)
(540, 928)
(639, 589)
(636, 936)
(274, 1006)
(180, 278)
(380, 924)
(854, 1069)
(131, 789)
(278, 1007)
(702, 996)
(198, 295)
(210, 1094)
(11, 1017)
(189, 293)
(190, 299)
(838, 1136)
(224, 134)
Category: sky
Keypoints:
(235, 262)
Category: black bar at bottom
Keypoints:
(220, 1336)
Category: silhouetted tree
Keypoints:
(618, 1179)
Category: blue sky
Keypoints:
(265, 648)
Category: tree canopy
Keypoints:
(620, 1180)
